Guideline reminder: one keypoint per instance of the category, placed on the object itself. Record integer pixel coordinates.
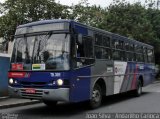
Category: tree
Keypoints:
(90, 15)
(153, 16)
(136, 22)
(129, 20)
(23, 11)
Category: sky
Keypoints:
(102, 3)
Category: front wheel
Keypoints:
(96, 99)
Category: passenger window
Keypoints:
(139, 57)
(98, 52)
(117, 44)
(127, 47)
(106, 53)
(98, 39)
(132, 47)
(117, 55)
(138, 49)
(120, 45)
(130, 56)
(88, 47)
(85, 55)
(80, 49)
(150, 55)
(85, 47)
(145, 54)
(106, 41)
(114, 43)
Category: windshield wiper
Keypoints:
(27, 58)
(34, 49)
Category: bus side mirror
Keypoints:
(80, 38)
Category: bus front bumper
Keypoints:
(60, 94)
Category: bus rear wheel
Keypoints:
(50, 103)
(96, 98)
(138, 91)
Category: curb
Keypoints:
(19, 104)
(156, 82)
(3, 98)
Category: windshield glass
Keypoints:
(43, 52)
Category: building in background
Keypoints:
(3, 45)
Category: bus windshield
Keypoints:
(47, 52)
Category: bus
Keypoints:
(64, 60)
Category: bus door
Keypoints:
(81, 75)
(80, 84)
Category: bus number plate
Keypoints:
(30, 91)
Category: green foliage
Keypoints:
(23, 11)
(131, 20)
(90, 15)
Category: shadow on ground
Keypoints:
(70, 109)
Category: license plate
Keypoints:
(30, 91)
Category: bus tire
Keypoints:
(96, 98)
(138, 90)
(50, 103)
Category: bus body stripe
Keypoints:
(134, 78)
(120, 68)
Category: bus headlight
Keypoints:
(11, 81)
(15, 82)
(59, 82)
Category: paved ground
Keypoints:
(6, 102)
(149, 102)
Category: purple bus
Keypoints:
(63, 60)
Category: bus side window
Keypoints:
(85, 55)
(85, 48)
(115, 43)
(80, 46)
(145, 54)
(150, 55)
(98, 40)
(116, 54)
(88, 47)
(98, 52)
(80, 50)
(106, 41)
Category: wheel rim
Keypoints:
(96, 96)
(139, 89)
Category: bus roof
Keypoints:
(132, 40)
(43, 22)
(89, 27)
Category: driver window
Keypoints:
(85, 55)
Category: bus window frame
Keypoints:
(109, 48)
(82, 60)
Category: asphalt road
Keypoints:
(149, 102)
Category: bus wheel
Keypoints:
(138, 90)
(96, 99)
(50, 103)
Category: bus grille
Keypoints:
(37, 95)
(33, 84)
